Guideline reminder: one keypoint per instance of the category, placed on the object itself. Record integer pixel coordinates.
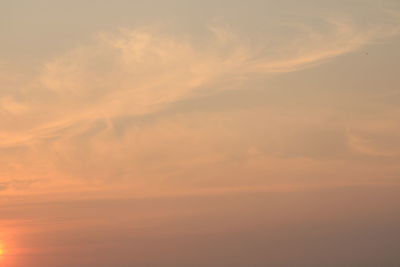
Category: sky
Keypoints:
(199, 133)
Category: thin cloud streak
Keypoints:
(66, 115)
(141, 71)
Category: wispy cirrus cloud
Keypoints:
(141, 71)
(66, 115)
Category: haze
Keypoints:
(199, 133)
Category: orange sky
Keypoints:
(180, 133)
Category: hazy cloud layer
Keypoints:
(87, 114)
(269, 137)
(353, 225)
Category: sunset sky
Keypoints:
(174, 133)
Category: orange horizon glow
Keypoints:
(2, 250)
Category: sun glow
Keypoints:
(1, 250)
